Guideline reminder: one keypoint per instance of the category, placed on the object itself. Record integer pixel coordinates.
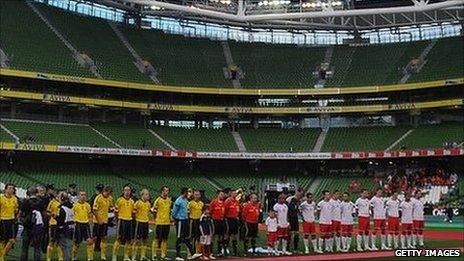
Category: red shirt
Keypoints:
(217, 209)
(250, 212)
(232, 208)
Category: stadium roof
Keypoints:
(302, 14)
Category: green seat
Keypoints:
(56, 133)
(31, 45)
(362, 138)
(95, 38)
(218, 140)
(279, 140)
(433, 136)
(130, 136)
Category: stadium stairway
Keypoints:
(139, 63)
(433, 136)
(239, 141)
(75, 53)
(393, 145)
(92, 37)
(31, 45)
(37, 132)
(230, 62)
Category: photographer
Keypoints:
(31, 217)
(65, 224)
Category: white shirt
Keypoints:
(347, 211)
(406, 212)
(336, 211)
(271, 224)
(417, 209)
(325, 212)
(362, 205)
(307, 211)
(393, 207)
(280, 186)
(378, 204)
(282, 212)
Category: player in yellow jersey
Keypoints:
(195, 207)
(8, 216)
(52, 211)
(102, 204)
(82, 216)
(124, 209)
(142, 217)
(162, 211)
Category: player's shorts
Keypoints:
(294, 224)
(271, 238)
(162, 232)
(100, 230)
(418, 224)
(182, 228)
(194, 229)
(282, 232)
(406, 228)
(346, 229)
(81, 232)
(7, 229)
(379, 224)
(363, 224)
(125, 232)
(219, 227)
(231, 226)
(141, 230)
(251, 230)
(325, 229)
(205, 240)
(393, 224)
(53, 233)
(336, 226)
(309, 227)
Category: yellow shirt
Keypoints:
(81, 212)
(53, 209)
(125, 208)
(142, 210)
(162, 207)
(8, 207)
(194, 208)
(101, 207)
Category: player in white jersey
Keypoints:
(362, 207)
(393, 205)
(325, 221)
(378, 208)
(348, 209)
(336, 219)
(307, 210)
(406, 209)
(281, 210)
(418, 219)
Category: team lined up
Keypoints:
(71, 220)
(336, 219)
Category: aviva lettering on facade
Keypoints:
(56, 98)
(240, 110)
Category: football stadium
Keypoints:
(231, 129)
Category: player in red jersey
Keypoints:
(231, 212)
(217, 210)
(250, 216)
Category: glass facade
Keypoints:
(221, 32)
